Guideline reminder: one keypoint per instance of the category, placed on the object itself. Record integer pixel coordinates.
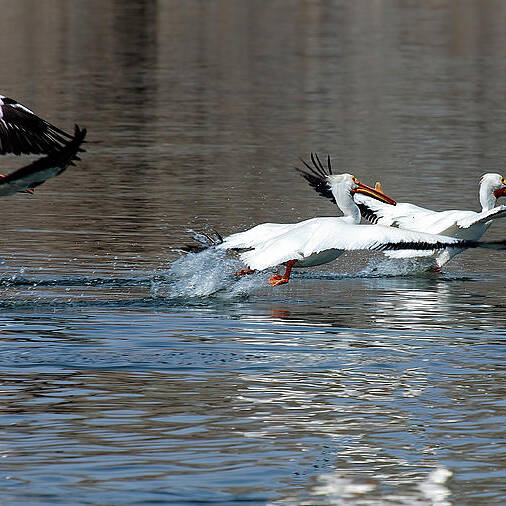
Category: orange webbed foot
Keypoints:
(277, 279)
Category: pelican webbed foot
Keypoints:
(277, 279)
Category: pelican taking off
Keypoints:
(470, 225)
(320, 240)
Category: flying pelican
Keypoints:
(468, 225)
(318, 241)
(23, 132)
(54, 163)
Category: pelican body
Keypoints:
(305, 244)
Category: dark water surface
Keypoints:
(126, 378)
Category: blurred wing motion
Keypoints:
(36, 173)
(23, 132)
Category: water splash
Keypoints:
(387, 267)
(210, 272)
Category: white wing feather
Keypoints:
(254, 236)
(483, 217)
(320, 234)
(401, 215)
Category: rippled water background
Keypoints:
(126, 378)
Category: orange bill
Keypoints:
(373, 192)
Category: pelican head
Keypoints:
(344, 186)
(341, 184)
(492, 186)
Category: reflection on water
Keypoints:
(129, 375)
(305, 405)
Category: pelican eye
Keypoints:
(354, 179)
(503, 181)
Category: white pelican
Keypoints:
(22, 132)
(59, 158)
(320, 240)
(468, 225)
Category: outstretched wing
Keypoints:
(483, 217)
(316, 176)
(322, 234)
(37, 172)
(23, 132)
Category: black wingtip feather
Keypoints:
(367, 213)
(59, 158)
(317, 175)
(312, 169)
(23, 132)
(464, 244)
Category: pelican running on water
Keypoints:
(470, 225)
(318, 241)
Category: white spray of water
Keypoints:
(211, 273)
(386, 267)
(207, 273)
